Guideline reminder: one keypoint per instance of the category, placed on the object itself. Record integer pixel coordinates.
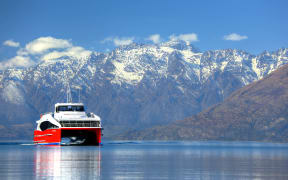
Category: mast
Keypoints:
(69, 96)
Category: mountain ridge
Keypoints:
(135, 86)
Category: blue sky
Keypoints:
(255, 25)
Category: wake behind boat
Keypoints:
(71, 123)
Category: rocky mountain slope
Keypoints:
(133, 86)
(257, 112)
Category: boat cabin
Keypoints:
(69, 111)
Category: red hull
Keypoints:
(54, 136)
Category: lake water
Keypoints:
(145, 160)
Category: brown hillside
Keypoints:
(257, 112)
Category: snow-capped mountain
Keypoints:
(134, 86)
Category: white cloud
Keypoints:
(22, 52)
(108, 39)
(17, 61)
(43, 49)
(42, 44)
(11, 43)
(119, 41)
(192, 37)
(123, 41)
(235, 37)
(75, 51)
(155, 38)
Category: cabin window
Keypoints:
(47, 125)
(70, 108)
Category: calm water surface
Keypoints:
(146, 160)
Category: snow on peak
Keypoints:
(121, 74)
(129, 65)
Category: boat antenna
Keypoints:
(69, 97)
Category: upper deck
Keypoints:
(73, 111)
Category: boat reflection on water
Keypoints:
(69, 162)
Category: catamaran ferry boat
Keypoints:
(69, 124)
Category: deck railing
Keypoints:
(80, 123)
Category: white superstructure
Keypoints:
(68, 115)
